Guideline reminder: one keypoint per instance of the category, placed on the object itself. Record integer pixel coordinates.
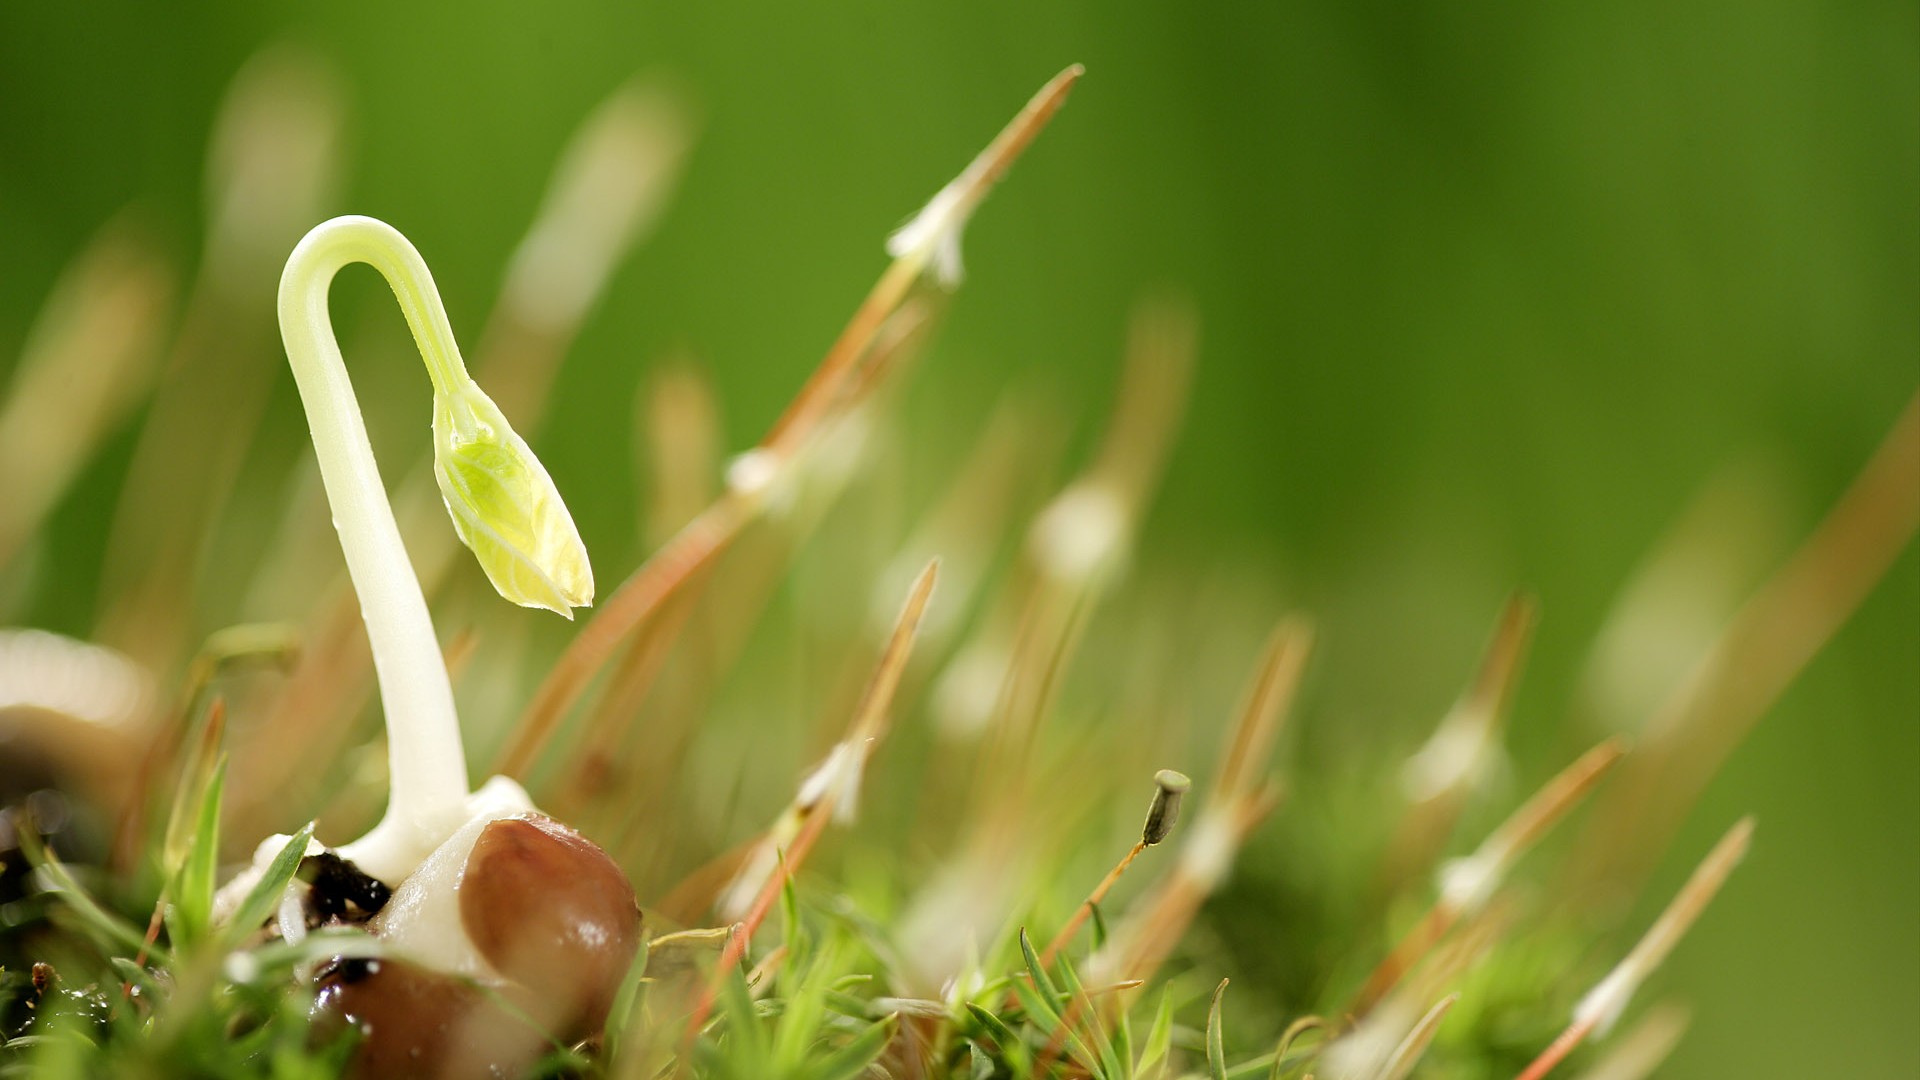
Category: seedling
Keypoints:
(506, 926)
(503, 504)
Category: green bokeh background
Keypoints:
(1488, 292)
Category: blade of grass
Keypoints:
(1414, 1046)
(264, 898)
(88, 359)
(628, 1000)
(195, 774)
(1013, 1050)
(862, 1051)
(108, 931)
(190, 915)
(1287, 1038)
(1153, 1055)
(1216, 1037)
(1752, 662)
(1467, 884)
(1080, 1010)
(1603, 1004)
(1037, 971)
(868, 725)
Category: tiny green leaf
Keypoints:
(1294, 1031)
(107, 930)
(1153, 1056)
(748, 1048)
(981, 1065)
(264, 898)
(852, 1059)
(806, 1007)
(1012, 1050)
(505, 507)
(132, 974)
(996, 1028)
(191, 912)
(1110, 1062)
(627, 1001)
(1216, 1049)
(1034, 968)
(1041, 999)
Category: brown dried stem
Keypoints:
(1462, 895)
(707, 536)
(1602, 1006)
(1758, 655)
(868, 725)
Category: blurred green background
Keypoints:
(1488, 291)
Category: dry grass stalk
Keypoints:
(1601, 1008)
(1467, 884)
(833, 786)
(1075, 547)
(1393, 1036)
(1369, 1043)
(809, 406)
(1464, 750)
(1733, 529)
(677, 416)
(1757, 656)
(703, 539)
(1635, 1055)
(1241, 797)
(969, 520)
(272, 167)
(1169, 789)
(594, 760)
(1264, 708)
(88, 359)
(604, 199)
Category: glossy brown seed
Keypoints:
(550, 911)
(544, 908)
(412, 1021)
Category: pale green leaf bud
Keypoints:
(505, 507)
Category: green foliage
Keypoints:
(1216, 1046)
(189, 915)
(261, 900)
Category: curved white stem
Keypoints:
(427, 763)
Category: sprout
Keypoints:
(503, 505)
(490, 900)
